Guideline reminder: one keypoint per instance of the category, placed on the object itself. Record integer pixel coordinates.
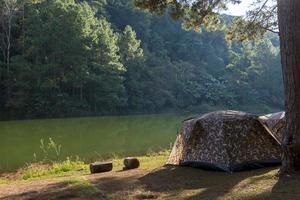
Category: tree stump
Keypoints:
(131, 163)
(99, 167)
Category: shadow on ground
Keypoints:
(56, 191)
(176, 183)
(287, 188)
(179, 183)
(194, 183)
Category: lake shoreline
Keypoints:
(40, 170)
(90, 139)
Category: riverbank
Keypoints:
(89, 138)
(152, 180)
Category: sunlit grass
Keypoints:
(148, 162)
(55, 169)
(4, 181)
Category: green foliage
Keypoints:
(106, 92)
(51, 151)
(78, 58)
(193, 14)
(198, 14)
(129, 46)
(256, 68)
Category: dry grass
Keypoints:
(154, 181)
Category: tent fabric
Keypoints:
(225, 140)
(275, 122)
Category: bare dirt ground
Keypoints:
(163, 183)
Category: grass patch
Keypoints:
(38, 170)
(57, 168)
(149, 162)
(154, 160)
(82, 185)
(4, 181)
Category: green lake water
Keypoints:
(89, 138)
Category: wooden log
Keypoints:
(99, 167)
(131, 163)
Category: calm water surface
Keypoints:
(88, 138)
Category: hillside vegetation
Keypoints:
(83, 57)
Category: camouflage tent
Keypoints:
(275, 122)
(225, 140)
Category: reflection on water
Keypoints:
(88, 138)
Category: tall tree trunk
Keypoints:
(289, 28)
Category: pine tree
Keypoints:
(132, 57)
(106, 72)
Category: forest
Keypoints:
(62, 58)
